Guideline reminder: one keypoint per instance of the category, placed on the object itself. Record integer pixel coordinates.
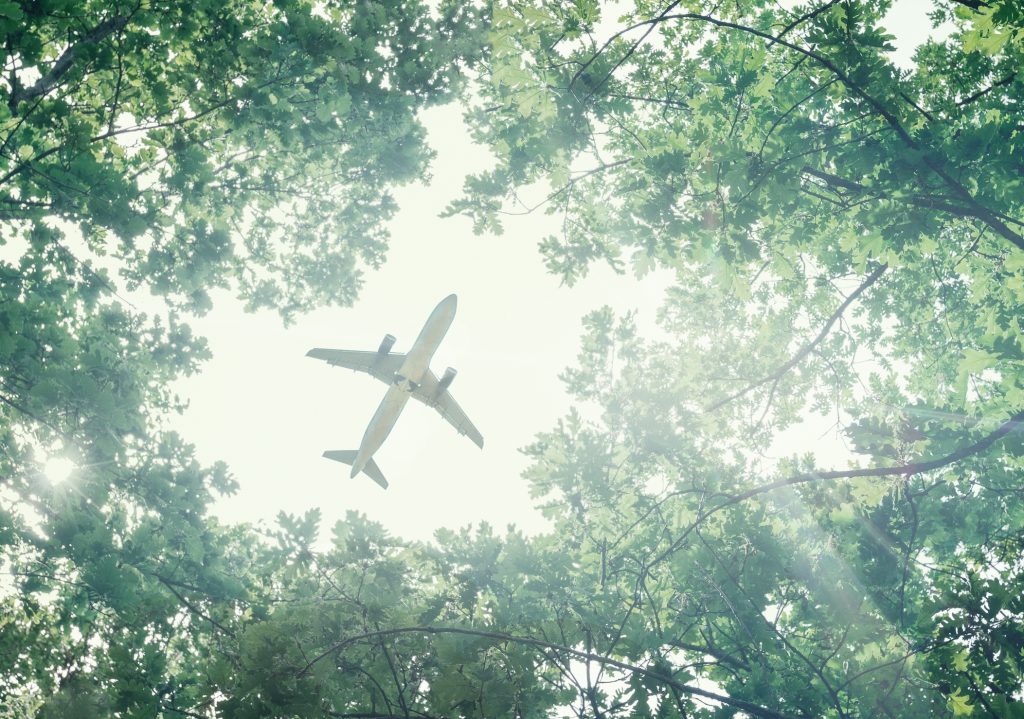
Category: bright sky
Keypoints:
(269, 411)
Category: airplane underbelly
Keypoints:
(415, 365)
(382, 423)
(418, 359)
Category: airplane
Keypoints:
(408, 375)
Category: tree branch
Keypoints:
(981, 93)
(806, 349)
(750, 708)
(60, 68)
(977, 210)
(569, 185)
(804, 18)
(192, 607)
(1014, 423)
(928, 203)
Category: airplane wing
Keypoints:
(383, 367)
(442, 401)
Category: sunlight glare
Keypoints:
(58, 469)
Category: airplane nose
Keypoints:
(448, 305)
(353, 473)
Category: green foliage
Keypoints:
(237, 144)
(846, 238)
(846, 243)
(177, 148)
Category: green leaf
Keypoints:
(959, 704)
(975, 361)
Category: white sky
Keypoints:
(270, 412)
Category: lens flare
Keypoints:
(58, 469)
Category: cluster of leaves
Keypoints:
(235, 144)
(846, 237)
(175, 148)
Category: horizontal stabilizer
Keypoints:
(348, 456)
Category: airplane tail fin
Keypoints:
(348, 456)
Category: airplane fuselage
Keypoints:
(416, 363)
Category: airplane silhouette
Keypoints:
(408, 375)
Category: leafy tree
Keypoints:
(845, 240)
(234, 144)
(839, 247)
(178, 148)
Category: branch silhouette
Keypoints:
(63, 63)
(933, 163)
(749, 707)
(1014, 423)
(778, 373)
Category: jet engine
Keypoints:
(386, 344)
(446, 379)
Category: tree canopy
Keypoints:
(175, 148)
(846, 240)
